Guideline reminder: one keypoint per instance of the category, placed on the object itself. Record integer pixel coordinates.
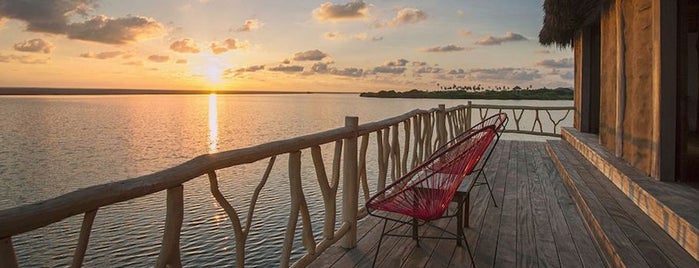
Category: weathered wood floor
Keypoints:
(535, 224)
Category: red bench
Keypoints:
(425, 192)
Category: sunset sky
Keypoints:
(276, 45)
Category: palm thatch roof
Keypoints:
(563, 18)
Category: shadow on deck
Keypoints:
(535, 224)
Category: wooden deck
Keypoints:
(535, 224)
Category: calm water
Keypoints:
(51, 145)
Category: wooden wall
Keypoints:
(608, 76)
(634, 105)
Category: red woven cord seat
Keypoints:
(498, 121)
(425, 192)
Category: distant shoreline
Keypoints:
(522, 94)
(33, 91)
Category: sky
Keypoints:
(352, 46)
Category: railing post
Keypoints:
(170, 249)
(468, 115)
(7, 253)
(350, 185)
(441, 125)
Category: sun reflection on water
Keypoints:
(213, 124)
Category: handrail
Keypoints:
(422, 132)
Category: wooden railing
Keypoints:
(402, 142)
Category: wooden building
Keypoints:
(635, 78)
(636, 111)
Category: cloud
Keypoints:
(226, 45)
(44, 16)
(330, 12)
(419, 63)
(567, 75)
(108, 30)
(504, 74)
(24, 59)
(320, 67)
(350, 72)
(465, 34)
(333, 36)
(134, 63)
(310, 55)
(324, 68)
(494, 40)
(185, 45)
(55, 17)
(240, 71)
(249, 26)
(103, 55)
(287, 68)
(158, 58)
(428, 70)
(561, 63)
(459, 12)
(253, 68)
(389, 70)
(456, 71)
(447, 48)
(34, 45)
(408, 16)
(398, 62)
(181, 61)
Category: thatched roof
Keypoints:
(563, 18)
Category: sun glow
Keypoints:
(211, 68)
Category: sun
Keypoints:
(211, 68)
(213, 74)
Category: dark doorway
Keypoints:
(590, 102)
(688, 82)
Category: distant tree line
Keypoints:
(513, 94)
(479, 87)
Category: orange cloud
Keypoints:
(35, 45)
(447, 48)
(408, 16)
(352, 10)
(226, 45)
(185, 45)
(108, 30)
(494, 40)
(310, 55)
(158, 58)
(104, 55)
(24, 59)
(249, 26)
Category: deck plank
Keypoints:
(506, 251)
(526, 246)
(552, 233)
(563, 240)
(487, 241)
(545, 247)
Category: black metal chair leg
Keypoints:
(490, 190)
(376, 255)
(468, 248)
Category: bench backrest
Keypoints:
(425, 192)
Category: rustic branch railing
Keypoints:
(420, 132)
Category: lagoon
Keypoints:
(51, 145)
